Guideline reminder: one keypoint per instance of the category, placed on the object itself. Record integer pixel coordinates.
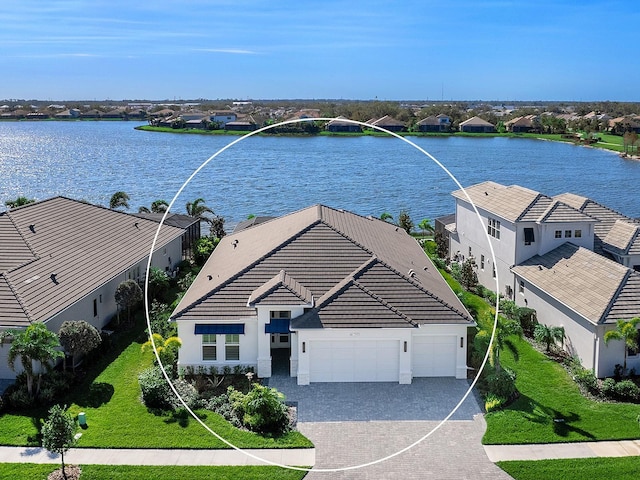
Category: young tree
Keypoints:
(468, 275)
(405, 222)
(128, 294)
(34, 344)
(78, 337)
(158, 283)
(627, 332)
(167, 349)
(119, 200)
(58, 433)
(442, 247)
(548, 335)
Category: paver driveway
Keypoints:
(355, 423)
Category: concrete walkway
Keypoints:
(621, 448)
(119, 456)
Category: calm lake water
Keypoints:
(275, 175)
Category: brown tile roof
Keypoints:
(597, 288)
(76, 247)
(476, 121)
(282, 289)
(335, 256)
(516, 203)
(623, 238)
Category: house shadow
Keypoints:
(560, 421)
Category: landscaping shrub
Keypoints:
(608, 387)
(528, 320)
(586, 379)
(493, 402)
(20, 398)
(440, 263)
(155, 390)
(188, 393)
(627, 391)
(501, 384)
(262, 410)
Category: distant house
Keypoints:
(339, 124)
(477, 125)
(440, 123)
(526, 124)
(63, 259)
(568, 257)
(93, 113)
(222, 117)
(338, 297)
(242, 124)
(389, 123)
(68, 114)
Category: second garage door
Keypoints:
(434, 356)
(354, 361)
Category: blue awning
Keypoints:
(277, 325)
(219, 329)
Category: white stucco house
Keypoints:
(62, 259)
(571, 259)
(345, 298)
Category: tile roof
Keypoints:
(606, 216)
(597, 288)
(360, 271)
(476, 121)
(623, 238)
(282, 289)
(516, 203)
(70, 248)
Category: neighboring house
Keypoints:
(223, 117)
(429, 124)
(477, 125)
(340, 125)
(528, 123)
(520, 223)
(389, 123)
(339, 296)
(68, 114)
(556, 255)
(245, 123)
(63, 259)
(191, 227)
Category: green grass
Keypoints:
(547, 392)
(623, 468)
(116, 418)
(32, 471)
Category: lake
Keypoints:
(274, 175)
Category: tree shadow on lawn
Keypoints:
(181, 416)
(99, 394)
(561, 422)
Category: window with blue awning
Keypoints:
(277, 325)
(220, 329)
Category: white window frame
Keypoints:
(209, 340)
(521, 286)
(231, 344)
(493, 228)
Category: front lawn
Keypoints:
(622, 468)
(32, 471)
(551, 408)
(116, 418)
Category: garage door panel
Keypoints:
(367, 360)
(434, 356)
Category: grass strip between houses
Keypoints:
(32, 471)
(551, 408)
(116, 418)
(618, 468)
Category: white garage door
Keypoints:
(354, 361)
(434, 356)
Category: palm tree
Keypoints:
(548, 335)
(119, 200)
(35, 344)
(158, 206)
(198, 209)
(505, 329)
(627, 331)
(426, 227)
(386, 216)
(18, 202)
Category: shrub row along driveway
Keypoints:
(355, 423)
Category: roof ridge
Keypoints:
(340, 232)
(615, 296)
(528, 207)
(26, 241)
(384, 302)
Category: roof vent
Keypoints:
(54, 279)
(136, 225)
(486, 194)
(235, 243)
(32, 227)
(209, 277)
(412, 273)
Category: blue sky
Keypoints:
(423, 50)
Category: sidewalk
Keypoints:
(621, 448)
(116, 456)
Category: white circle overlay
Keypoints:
(248, 453)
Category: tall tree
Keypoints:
(78, 337)
(127, 295)
(198, 209)
(34, 344)
(18, 202)
(425, 226)
(158, 206)
(627, 332)
(119, 200)
(58, 433)
(405, 222)
(505, 329)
